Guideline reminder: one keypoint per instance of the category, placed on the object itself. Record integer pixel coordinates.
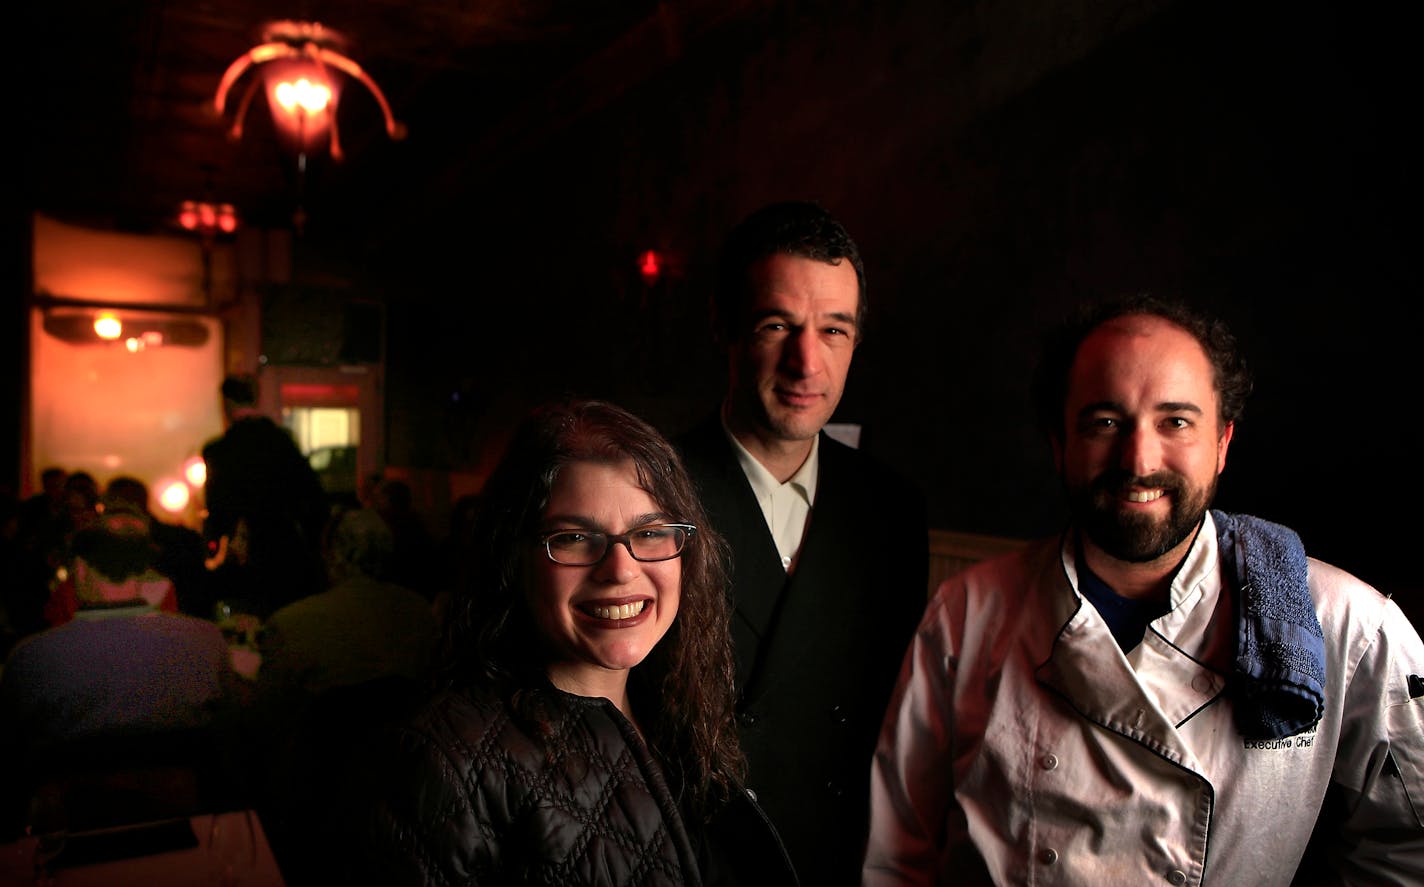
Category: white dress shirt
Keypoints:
(786, 506)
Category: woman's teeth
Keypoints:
(622, 611)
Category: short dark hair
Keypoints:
(126, 490)
(1230, 375)
(491, 640)
(358, 542)
(118, 546)
(240, 390)
(795, 228)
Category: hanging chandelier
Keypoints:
(300, 65)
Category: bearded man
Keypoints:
(1165, 693)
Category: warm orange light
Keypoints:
(302, 97)
(133, 344)
(173, 496)
(188, 215)
(207, 218)
(107, 326)
(304, 94)
(195, 470)
(227, 218)
(303, 64)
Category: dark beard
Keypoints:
(1137, 538)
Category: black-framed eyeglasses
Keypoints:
(584, 548)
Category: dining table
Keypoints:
(194, 850)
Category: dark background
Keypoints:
(997, 162)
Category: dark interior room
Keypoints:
(526, 200)
(996, 164)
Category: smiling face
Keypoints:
(599, 621)
(789, 362)
(1143, 445)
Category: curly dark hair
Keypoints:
(1231, 377)
(685, 685)
(794, 228)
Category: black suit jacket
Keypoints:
(258, 475)
(818, 651)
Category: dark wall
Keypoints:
(996, 167)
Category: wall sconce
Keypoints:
(132, 330)
(296, 61)
(650, 266)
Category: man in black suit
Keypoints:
(829, 548)
(266, 509)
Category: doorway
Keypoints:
(335, 417)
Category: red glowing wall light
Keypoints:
(207, 218)
(650, 266)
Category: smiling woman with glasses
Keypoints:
(585, 731)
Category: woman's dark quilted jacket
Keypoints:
(467, 793)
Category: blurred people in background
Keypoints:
(412, 561)
(43, 550)
(42, 514)
(39, 531)
(81, 503)
(144, 581)
(332, 665)
(180, 548)
(123, 711)
(120, 665)
(266, 509)
(362, 627)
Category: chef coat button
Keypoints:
(1176, 877)
(1203, 684)
(1048, 856)
(838, 715)
(1050, 761)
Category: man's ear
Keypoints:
(1222, 444)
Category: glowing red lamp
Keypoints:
(650, 265)
(207, 218)
(302, 64)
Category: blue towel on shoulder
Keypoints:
(1279, 685)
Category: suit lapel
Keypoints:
(831, 512)
(758, 580)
